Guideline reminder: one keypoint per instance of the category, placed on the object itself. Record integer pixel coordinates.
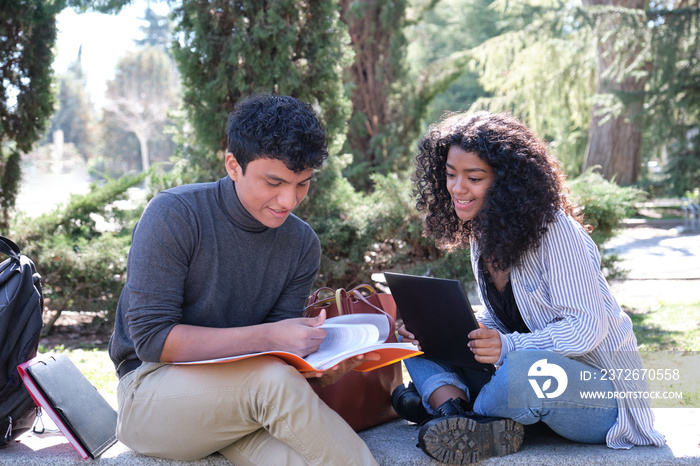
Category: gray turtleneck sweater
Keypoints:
(198, 257)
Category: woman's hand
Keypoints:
(334, 374)
(486, 345)
(407, 337)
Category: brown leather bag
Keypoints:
(363, 399)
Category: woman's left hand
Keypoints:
(332, 375)
(486, 345)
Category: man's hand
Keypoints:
(299, 336)
(486, 345)
(335, 373)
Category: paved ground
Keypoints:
(664, 266)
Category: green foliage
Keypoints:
(392, 91)
(364, 233)
(230, 50)
(542, 67)
(543, 71)
(75, 115)
(80, 249)
(443, 33)
(673, 100)
(27, 34)
(382, 93)
(145, 88)
(604, 204)
(10, 176)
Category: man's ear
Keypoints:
(233, 169)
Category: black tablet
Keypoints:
(438, 313)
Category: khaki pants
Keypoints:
(257, 411)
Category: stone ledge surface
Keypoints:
(394, 443)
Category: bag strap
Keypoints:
(9, 248)
(313, 299)
(356, 293)
(341, 294)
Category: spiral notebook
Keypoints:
(72, 402)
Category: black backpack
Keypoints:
(21, 306)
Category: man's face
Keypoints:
(268, 190)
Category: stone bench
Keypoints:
(394, 444)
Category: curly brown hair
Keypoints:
(527, 191)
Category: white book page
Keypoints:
(341, 339)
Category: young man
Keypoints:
(220, 269)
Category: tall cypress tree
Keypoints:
(27, 33)
(230, 49)
(27, 36)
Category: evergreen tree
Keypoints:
(158, 31)
(646, 73)
(144, 89)
(542, 69)
(230, 49)
(75, 115)
(452, 27)
(390, 100)
(672, 110)
(380, 87)
(27, 34)
(615, 135)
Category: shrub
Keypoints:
(604, 204)
(382, 231)
(363, 233)
(80, 249)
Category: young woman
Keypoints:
(549, 322)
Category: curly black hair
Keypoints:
(527, 191)
(277, 127)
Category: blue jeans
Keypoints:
(522, 391)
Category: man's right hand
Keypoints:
(299, 336)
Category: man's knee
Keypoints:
(275, 372)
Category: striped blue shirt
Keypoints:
(566, 302)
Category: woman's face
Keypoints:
(468, 178)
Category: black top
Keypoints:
(504, 307)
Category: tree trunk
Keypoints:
(615, 140)
(378, 110)
(143, 144)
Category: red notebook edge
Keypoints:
(42, 402)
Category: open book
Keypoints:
(346, 336)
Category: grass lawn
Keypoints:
(95, 366)
(668, 337)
